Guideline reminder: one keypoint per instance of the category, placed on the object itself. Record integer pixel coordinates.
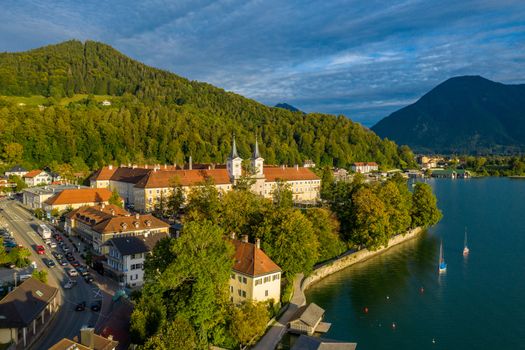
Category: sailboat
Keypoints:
(442, 263)
(466, 251)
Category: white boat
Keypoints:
(442, 263)
(466, 250)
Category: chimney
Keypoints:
(87, 338)
(190, 165)
(112, 212)
(296, 166)
(165, 166)
(102, 205)
(232, 235)
(244, 238)
(258, 243)
(282, 166)
(137, 216)
(110, 167)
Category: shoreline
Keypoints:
(338, 264)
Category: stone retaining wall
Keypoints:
(353, 258)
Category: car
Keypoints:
(40, 249)
(57, 237)
(69, 284)
(88, 278)
(69, 254)
(57, 255)
(47, 241)
(83, 270)
(63, 262)
(75, 263)
(70, 258)
(72, 272)
(95, 306)
(49, 263)
(81, 306)
(11, 244)
(51, 244)
(65, 248)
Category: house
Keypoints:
(34, 197)
(126, 255)
(26, 311)
(76, 198)
(89, 340)
(5, 184)
(309, 164)
(305, 342)
(144, 187)
(364, 167)
(307, 320)
(254, 275)
(106, 103)
(98, 224)
(17, 170)
(341, 175)
(37, 177)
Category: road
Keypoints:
(67, 322)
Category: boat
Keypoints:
(466, 250)
(442, 263)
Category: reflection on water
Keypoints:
(477, 304)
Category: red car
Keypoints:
(40, 249)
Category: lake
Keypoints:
(478, 304)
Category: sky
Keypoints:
(362, 59)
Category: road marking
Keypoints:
(97, 293)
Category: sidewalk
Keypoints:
(273, 336)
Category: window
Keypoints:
(244, 294)
(275, 277)
(258, 281)
(240, 278)
(267, 279)
(266, 293)
(240, 292)
(232, 275)
(231, 289)
(244, 280)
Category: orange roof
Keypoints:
(159, 179)
(129, 224)
(96, 213)
(80, 195)
(251, 260)
(289, 174)
(365, 164)
(33, 173)
(105, 173)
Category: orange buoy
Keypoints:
(365, 310)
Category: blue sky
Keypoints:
(363, 59)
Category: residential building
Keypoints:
(89, 340)
(451, 173)
(37, 177)
(147, 186)
(308, 320)
(17, 170)
(5, 184)
(126, 255)
(305, 342)
(98, 224)
(34, 197)
(341, 175)
(254, 275)
(26, 311)
(76, 198)
(106, 103)
(364, 167)
(309, 164)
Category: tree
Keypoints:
(397, 206)
(244, 183)
(242, 211)
(176, 334)
(115, 199)
(424, 212)
(289, 240)
(19, 256)
(176, 199)
(282, 194)
(148, 316)
(40, 275)
(326, 228)
(13, 152)
(370, 219)
(203, 202)
(248, 322)
(20, 184)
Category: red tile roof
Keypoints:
(273, 174)
(129, 224)
(103, 174)
(252, 261)
(80, 195)
(159, 179)
(96, 213)
(33, 173)
(365, 164)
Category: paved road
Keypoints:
(67, 322)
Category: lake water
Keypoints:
(478, 304)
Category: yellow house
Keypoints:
(76, 198)
(254, 276)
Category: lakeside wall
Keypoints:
(353, 258)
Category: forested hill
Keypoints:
(467, 114)
(156, 116)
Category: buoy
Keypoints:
(387, 297)
(422, 290)
(393, 325)
(365, 310)
(433, 341)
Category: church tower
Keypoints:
(257, 162)
(233, 165)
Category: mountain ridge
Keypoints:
(464, 114)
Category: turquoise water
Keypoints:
(478, 304)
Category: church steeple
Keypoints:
(256, 153)
(234, 153)
(233, 165)
(257, 161)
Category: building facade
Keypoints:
(254, 275)
(37, 177)
(145, 187)
(17, 170)
(34, 197)
(364, 167)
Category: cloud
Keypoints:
(361, 59)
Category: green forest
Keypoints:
(156, 116)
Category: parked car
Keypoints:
(75, 263)
(57, 255)
(83, 270)
(11, 244)
(69, 284)
(49, 263)
(95, 306)
(65, 248)
(81, 306)
(88, 278)
(72, 273)
(70, 258)
(51, 244)
(40, 249)
(57, 237)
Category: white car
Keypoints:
(52, 245)
(69, 285)
(72, 273)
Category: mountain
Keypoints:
(287, 107)
(155, 116)
(466, 114)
